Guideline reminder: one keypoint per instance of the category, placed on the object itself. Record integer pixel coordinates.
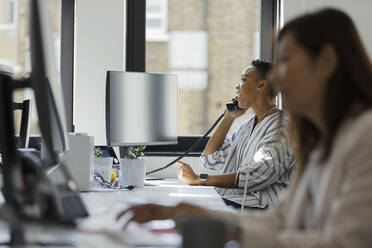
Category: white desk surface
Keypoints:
(165, 192)
(104, 206)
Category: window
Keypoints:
(156, 19)
(7, 14)
(14, 45)
(8, 33)
(209, 44)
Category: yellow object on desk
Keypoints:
(113, 176)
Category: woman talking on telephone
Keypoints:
(255, 160)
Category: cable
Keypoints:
(191, 148)
(98, 178)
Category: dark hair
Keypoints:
(264, 67)
(349, 86)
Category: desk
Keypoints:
(103, 207)
(165, 192)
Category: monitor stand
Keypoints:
(124, 151)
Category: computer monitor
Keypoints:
(29, 193)
(141, 108)
(30, 188)
(45, 82)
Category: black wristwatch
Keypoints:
(203, 177)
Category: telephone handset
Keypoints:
(232, 106)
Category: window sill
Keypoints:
(184, 143)
(157, 37)
(7, 26)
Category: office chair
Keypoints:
(24, 107)
(24, 132)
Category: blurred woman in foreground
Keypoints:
(325, 76)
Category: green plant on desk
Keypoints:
(135, 152)
(97, 152)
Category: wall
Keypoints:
(360, 12)
(99, 46)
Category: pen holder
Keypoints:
(132, 172)
(103, 166)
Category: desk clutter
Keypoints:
(103, 222)
(101, 228)
(95, 169)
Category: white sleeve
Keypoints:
(217, 159)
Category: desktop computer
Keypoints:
(50, 107)
(28, 189)
(141, 108)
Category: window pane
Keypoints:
(6, 12)
(14, 45)
(153, 6)
(10, 12)
(210, 43)
(153, 22)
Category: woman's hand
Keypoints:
(148, 212)
(235, 114)
(186, 174)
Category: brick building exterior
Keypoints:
(232, 30)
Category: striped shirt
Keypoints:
(261, 158)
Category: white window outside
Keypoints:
(156, 20)
(8, 16)
(8, 34)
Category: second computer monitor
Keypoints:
(45, 81)
(141, 108)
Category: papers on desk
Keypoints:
(102, 189)
(37, 234)
(134, 234)
(137, 236)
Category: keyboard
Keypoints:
(73, 206)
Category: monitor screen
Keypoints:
(141, 108)
(45, 82)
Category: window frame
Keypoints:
(67, 59)
(136, 59)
